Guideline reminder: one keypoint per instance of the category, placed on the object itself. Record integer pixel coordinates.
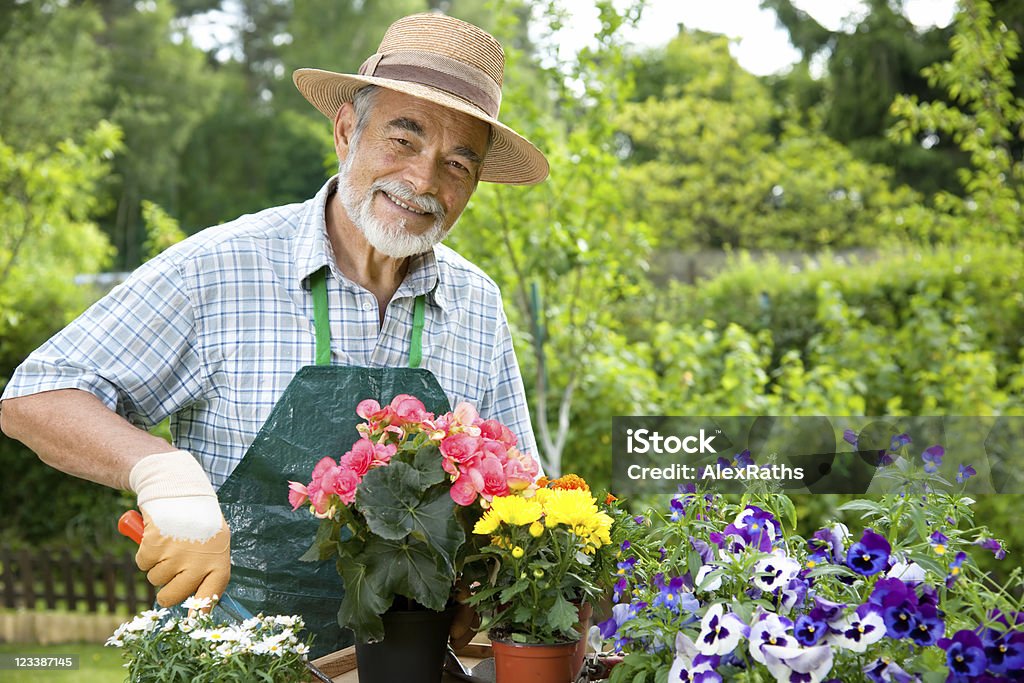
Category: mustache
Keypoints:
(399, 189)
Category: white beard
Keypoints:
(393, 240)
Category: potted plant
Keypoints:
(543, 562)
(395, 512)
(160, 648)
(722, 588)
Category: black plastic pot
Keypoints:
(413, 650)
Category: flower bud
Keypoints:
(536, 529)
(517, 552)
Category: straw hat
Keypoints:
(448, 62)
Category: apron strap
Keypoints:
(321, 318)
(322, 324)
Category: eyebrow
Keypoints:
(404, 123)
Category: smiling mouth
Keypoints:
(398, 202)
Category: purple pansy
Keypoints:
(929, 626)
(1004, 651)
(829, 542)
(992, 544)
(775, 571)
(850, 437)
(769, 629)
(954, 568)
(938, 542)
(858, 630)
(899, 441)
(964, 473)
(672, 596)
(798, 664)
(720, 632)
(965, 655)
(690, 665)
(756, 528)
(932, 457)
(620, 588)
(869, 555)
(887, 671)
(808, 630)
(678, 509)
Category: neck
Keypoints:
(359, 261)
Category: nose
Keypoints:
(423, 174)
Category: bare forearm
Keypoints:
(75, 432)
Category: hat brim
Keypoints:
(512, 159)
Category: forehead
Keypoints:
(454, 127)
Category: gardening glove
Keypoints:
(186, 544)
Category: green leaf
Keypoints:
(428, 463)
(409, 568)
(324, 545)
(363, 604)
(563, 615)
(395, 506)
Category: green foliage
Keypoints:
(985, 119)
(923, 331)
(55, 73)
(162, 230)
(710, 169)
(565, 252)
(47, 195)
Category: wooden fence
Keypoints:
(39, 579)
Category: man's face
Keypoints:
(408, 177)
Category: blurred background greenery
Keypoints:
(710, 242)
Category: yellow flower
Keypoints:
(515, 510)
(577, 510)
(536, 529)
(487, 524)
(517, 552)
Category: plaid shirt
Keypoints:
(211, 331)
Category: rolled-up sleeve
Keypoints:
(136, 349)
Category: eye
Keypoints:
(458, 167)
(401, 142)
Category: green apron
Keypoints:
(315, 417)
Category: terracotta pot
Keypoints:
(413, 649)
(533, 663)
(586, 612)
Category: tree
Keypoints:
(47, 197)
(986, 121)
(566, 252)
(714, 162)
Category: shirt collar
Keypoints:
(313, 251)
(312, 248)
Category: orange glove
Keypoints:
(186, 544)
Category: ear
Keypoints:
(344, 126)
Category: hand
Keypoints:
(466, 620)
(186, 544)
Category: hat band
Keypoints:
(437, 71)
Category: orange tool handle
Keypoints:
(130, 524)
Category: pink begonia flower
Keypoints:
(462, 448)
(494, 448)
(463, 491)
(495, 483)
(382, 453)
(465, 414)
(520, 469)
(298, 494)
(408, 409)
(492, 429)
(360, 458)
(345, 484)
(368, 409)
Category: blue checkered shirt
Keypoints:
(210, 332)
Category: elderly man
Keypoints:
(218, 333)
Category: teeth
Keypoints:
(405, 206)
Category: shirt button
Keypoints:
(367, 306)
